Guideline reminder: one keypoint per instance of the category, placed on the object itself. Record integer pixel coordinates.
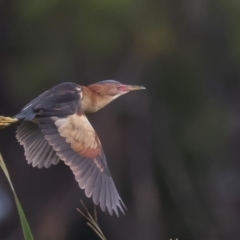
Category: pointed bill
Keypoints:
(134, 88)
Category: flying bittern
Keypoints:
(54, 127)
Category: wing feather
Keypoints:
(103, 195)
(91, 182)
(108, 197)
(97, 189)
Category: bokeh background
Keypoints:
(173, 150)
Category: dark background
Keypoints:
(173, 149)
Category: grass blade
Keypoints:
(92, 221)
(25, 226)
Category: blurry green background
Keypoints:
(173, 150)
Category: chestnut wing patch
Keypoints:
(77, 131)
(76, 143)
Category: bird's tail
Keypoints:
(6, 121)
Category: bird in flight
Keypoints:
(54, 127)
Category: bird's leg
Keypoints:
(6, 121)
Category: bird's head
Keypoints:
(102, 93)
(112, 89)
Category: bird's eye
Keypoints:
(122, 88)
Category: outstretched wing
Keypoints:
(77, 144)
(65, 127)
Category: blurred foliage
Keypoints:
(174, 150)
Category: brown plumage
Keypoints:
(54, 127)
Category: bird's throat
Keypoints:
(92, 102)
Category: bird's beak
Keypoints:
(133, 88)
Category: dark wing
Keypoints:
(36, 148)
(68, 93)
(68, 132)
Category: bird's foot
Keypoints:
(6, 121)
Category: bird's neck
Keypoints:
(92, 101)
